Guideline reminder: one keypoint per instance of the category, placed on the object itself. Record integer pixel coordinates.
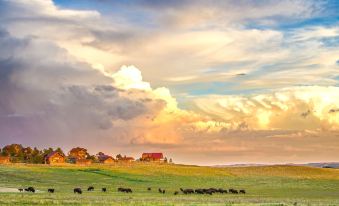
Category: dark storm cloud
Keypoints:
(46, 96)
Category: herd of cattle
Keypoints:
(208, 191)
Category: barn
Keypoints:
(55, 158)
(152, 157)
(5, 160)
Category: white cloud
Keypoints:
(294, 108)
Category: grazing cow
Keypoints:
(90, 188)
(199, 191)
(242, 191)
(207, 191)
(21, 190)
(187, 191)
(220, 190)
(149, 189)
(160, 191)
(213, 190)
(126, 190)
(103, 189)
(77, 190)
(163, 191)
(233, 191)
(30, 189)
(51, 190)
(190, 191)
(176, 193)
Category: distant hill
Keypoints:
(241, 165)
(313, 164)
(324, 164)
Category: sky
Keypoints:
(205, 82)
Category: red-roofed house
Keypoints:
(152, 157)
(55, 158)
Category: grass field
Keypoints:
(267, 185)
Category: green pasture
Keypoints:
(266, 185)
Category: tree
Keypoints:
(15, 151)
(78, 153)
(100, 154)
(27, 154)
(119, 156)
(37, 157)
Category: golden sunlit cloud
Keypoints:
(307, 107)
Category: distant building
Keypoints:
(125, 159)
(55, 158)
(5, 160)
(106, 159)
(83, 161)
(152, 157)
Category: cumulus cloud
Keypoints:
(202, 50)
(48, 96)
(45, 89)
(294, 108)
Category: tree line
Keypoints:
(20, 154)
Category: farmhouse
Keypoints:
(5, 160)
(106, 159)
(55, 158)
(152, 157)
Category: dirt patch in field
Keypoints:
(7, 189)
(12, 190)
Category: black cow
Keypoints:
(187, 191)
(199, 191)
(103, 189)
(51, 190)
(233, 191)
(242, 191)
(77, 190)
(220, 190)
(126, 190)
(21, 190)
(176, 193)
(213, 190)
(30, 189)
(149, 189)
(209, 191)
(90, 188)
